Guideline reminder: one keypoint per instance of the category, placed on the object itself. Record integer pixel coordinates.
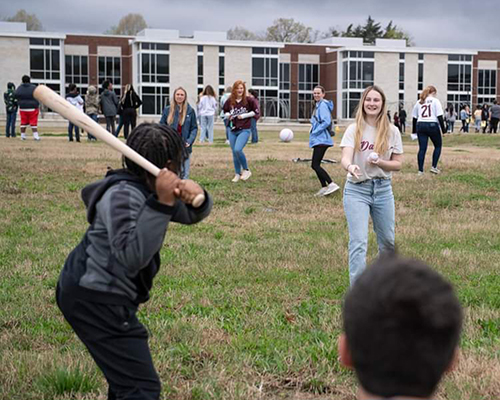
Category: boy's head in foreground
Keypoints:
(159, 144)
(402, 324)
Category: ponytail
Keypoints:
(426, 92)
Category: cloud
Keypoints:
(447, 23)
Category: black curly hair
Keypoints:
(160, 144)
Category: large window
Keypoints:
(200, 68)
(486, 86)
(110, 70)
(45, 59)
(77, 71)
(459, 80)
(420, 78)
(284, 93)
(264, 71)
(308, 76)
(265, 79)
(154, 77)
(222, 70)
(358, 71)
(155, 99)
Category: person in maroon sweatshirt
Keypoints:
(239, 110)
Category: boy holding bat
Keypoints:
(111, 271)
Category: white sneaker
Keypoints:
(321, 191)
(227, 142)
(37, 138)
(332, 187)
(246, 174)
(236, 178)
(23, 137)
(434, 170)
(420, 173)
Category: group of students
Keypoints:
(407, 308)
(107, 104)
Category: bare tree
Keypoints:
(240, 33)
(32, 22)
(129, 25)
(289, 30)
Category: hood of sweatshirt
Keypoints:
(328, 103)
(72, 95)
(92, 193)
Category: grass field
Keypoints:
(247, 303)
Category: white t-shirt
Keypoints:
(367, 169)
(429, 111)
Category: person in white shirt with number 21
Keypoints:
(427, 121)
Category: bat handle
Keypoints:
(198, 200)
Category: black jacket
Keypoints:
(24, 96)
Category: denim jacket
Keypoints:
(189, 129)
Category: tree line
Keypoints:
(283, 30)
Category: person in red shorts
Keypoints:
(29, 107)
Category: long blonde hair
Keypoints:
(174, 105)
(383, 126)
(426, 92)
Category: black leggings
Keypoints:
(426, 130)
(318, 154)
(129, 119)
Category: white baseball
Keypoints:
(373, 156)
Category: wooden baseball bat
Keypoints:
(55, 102)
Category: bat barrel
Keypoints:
(55, 102)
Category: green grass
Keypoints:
(247, 304)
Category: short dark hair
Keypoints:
(105, 84)
(71, 87)
(26, 79)
(160, 144)
(495, 102)
(402, 321)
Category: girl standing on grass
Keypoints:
(239, 109)
(207, 107)
(181, 116)
(368, 189)
(427, 122)
(320, 139)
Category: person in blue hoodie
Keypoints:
(320, 139)
(181, 116)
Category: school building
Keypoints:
(156, 61)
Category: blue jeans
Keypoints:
(255, 133)
(96, 119)
(10, 124)
(70, 132)
(238, 140)
(186, 168)
(426, 131)
(207, 128)
(373, 198)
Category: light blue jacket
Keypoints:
(322, 117)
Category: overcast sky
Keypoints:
(440, 23)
